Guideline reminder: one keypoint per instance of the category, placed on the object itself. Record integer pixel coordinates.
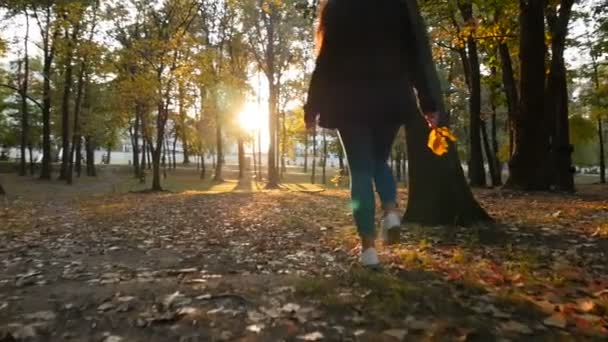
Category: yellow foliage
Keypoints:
(438, 140)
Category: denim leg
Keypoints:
(383, 138)
(358, 145)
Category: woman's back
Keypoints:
(362, 64)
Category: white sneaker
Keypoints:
(369, 258)
(391, 228)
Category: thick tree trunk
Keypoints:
(600, 134)
(439, 193)
(25, 124)
(557, 100)
(90, 152)
(528, 166)
(157, 154)
(2, 192)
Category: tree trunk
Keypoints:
(149, 151)
(90, 152)
(255, 159)
(477, 174)
(273, 176)
(144, 149)
(32, 163)
(439, 193)
(489, 155)
(165, 153)
(79, 157)
(108, 154)
(510, 89)
(241, 152)
(25, 125)
(65, 105)
(600, 134)
(557, 100)
(174, 151)
(183, 130)
(203, 166)
(49, 54)
(158, 149)
(135, 141)
(2, 192)
(219, 149)
(76, 136)
(497, 179)
(528, 166)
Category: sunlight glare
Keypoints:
(252, 118)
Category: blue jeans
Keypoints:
(367, 150)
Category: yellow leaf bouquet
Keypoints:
(438, 140)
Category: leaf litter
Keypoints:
(277, 265)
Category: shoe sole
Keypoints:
(393, 236)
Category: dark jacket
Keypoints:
(367, 67)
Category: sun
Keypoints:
(251, 118)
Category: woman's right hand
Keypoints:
(432, 119)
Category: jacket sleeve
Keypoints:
(416, 65)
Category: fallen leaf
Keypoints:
(256, 328)
(558, 320)
(41, 315)
(399, 334)
(314, 336)
(516, 327)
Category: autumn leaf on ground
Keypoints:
(438, 140)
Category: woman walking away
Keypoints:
(363, 86)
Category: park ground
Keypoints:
(230, 261)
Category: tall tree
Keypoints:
(438, 193)
(272, 26)
(558, 18)
(529, 163)
(470, 59)
(44, 14)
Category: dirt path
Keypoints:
(276, 266)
